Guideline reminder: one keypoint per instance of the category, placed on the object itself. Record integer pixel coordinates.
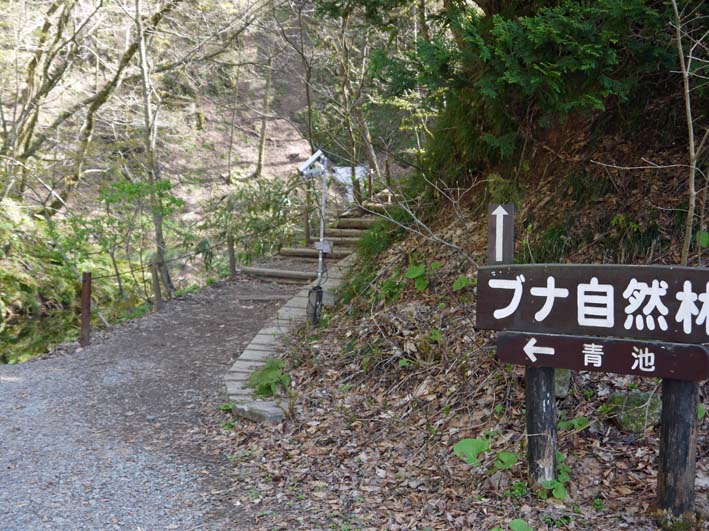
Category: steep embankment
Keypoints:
(399, 374)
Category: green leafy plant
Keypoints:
(226, 406)
(703, 238)
(578, 424)
(562, 470)
(598, 504)
(562, 521)
(701, 412)
(462, 282)
(417, 274)
(469, 450)
(554, 488)
(517, 490)
(519, 525)
(270, 379)
(506, 460)
(436, 335)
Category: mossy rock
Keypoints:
(562, 382)
(635, 411)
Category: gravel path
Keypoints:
(112, 437)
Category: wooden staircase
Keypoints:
(299, 264)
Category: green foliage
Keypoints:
(518, 489)
(462, 282)
(391, 288)
(554, 488)
(415, 271)
(519, 525)
(505, 460)
(577, 424)
(422, 274)
(469, 450)
(501, 190)
(703, 238)
(632, 238)
(40, 262)
(532, 63)
(569, 57)
(436, 335)
(421, 283)
(259, 215)
(701, 412)
(598, 504)
(226, 407)
(546, 246)
(270, 379)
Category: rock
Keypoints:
(635, 411)
(499, 481)
(562, 381)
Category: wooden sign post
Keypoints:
(85, 339)
(641, 320)
(539, 380)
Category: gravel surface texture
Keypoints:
(115, 436)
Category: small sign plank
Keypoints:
(500, 233)
(664, 303)
(579, 353)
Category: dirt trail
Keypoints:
(115, 436)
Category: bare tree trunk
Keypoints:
(264, 119)
(232, 127)
(421, 19)
(371, 154)
(691, 178)
(149, 137)
(678, 433)
(112, 254)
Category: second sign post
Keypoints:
(640, 320)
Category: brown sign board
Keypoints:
(622, 356)
(500, 233)
(664, 303)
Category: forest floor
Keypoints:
(118, 435)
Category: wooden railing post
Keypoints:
(232, 254)
(85, 339)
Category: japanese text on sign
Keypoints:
(667, 303)
(623, 356)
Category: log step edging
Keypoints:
(266, 344)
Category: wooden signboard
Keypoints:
(500, 234)
(644, 302)
(622, 356)
(652, 321)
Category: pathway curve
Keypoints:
(112, 437)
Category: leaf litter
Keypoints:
(384, 393)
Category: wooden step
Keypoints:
(300, 276)
(342, 241)
(305, 252)
(343, 233)
(380, 208)
(355, 223)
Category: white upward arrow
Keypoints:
(499, 214)
(530, 350)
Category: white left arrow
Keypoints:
(499, 214)
(530, 350)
